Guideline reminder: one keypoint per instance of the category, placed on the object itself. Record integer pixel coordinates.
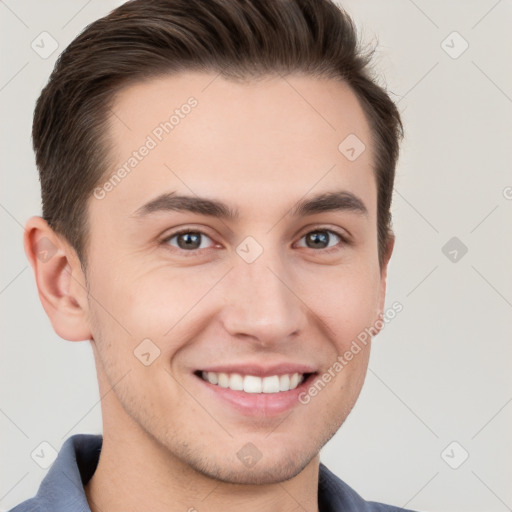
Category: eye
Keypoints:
(187, 240)
(321, 238)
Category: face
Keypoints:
(279, 279)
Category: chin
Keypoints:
(260, 474)
(270, 470)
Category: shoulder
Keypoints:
(335, 495)
(30, 505)
(61, 490)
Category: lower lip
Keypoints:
(259, 404)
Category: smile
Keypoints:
(253, 383)
(253, 389)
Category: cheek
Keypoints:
(152, 302)
(347, 302)
(164, 299)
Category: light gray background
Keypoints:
(439, 372)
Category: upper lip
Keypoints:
(260, 370)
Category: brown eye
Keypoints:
(187, 240)
(321, 238)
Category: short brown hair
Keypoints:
(240, 39)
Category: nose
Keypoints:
(260, 302)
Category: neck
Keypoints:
(147, 477)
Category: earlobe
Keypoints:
(59, 278)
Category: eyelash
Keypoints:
(193, 252)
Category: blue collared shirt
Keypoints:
(62, 489)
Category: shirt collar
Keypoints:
(62, 489)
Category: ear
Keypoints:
(384, 272)
(60, 280)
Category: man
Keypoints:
(216, 180)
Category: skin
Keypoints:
(260, 147)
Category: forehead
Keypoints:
(270, 138)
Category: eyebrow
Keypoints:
(325, 202)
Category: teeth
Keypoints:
(223, 380)
(254, 384)
(284, 382)
(236, 382)
(211, 377)
(271, 384)
(294, 380)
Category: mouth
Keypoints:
(254, 384)
(255, 396)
